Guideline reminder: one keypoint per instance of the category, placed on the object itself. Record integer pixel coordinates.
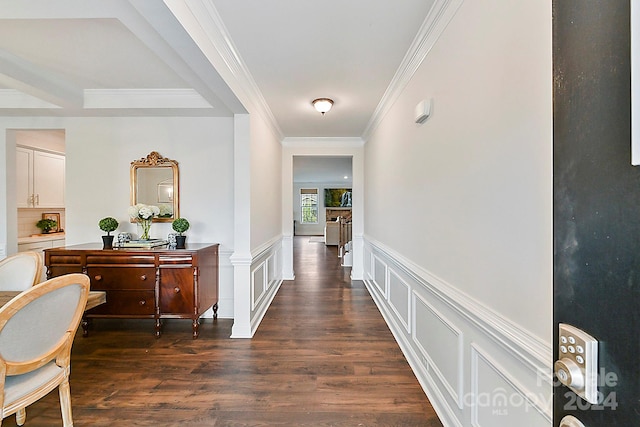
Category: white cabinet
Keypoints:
(39, 246)
(40, 179)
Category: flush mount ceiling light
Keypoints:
(322, 104)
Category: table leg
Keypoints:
(85, 327)
(196, 326)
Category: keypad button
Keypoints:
(563, 349)
(579, 359)
(572, 349)
(572, 340)
(580, 349)
(563, 339)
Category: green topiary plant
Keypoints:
(46, 225)
(180, 225)
(108, 225)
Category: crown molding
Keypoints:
(209, 23)
(321, 142)
(433, 26)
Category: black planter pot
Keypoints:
(107, 242)
(180, 240)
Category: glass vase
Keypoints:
(145, 224)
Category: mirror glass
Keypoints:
(154, 181)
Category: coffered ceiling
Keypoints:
(210, 58)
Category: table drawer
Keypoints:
(127, 303)
(111, 258)
(116, 277)
(61, 270)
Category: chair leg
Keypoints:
(21, 416)
(65, 403)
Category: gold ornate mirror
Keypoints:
(154, 181)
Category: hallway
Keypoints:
(322, 356)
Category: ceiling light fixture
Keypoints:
(322, 104)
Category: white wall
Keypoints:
(266, 191)
(458, 224)
(98, 156)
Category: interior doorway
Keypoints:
(299, 150)
(322, 195)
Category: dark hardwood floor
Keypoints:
(323, 356)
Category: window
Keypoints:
(309, 205)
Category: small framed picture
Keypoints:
(56, 218)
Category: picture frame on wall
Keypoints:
(337, 197)
(56, 218)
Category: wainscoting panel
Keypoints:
(497, 399)
(272, 269)
(446, 358)
(258, 284)
(400, 298)
(379, 275)
(466, 357)
(266, 278)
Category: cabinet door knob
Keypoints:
(143, 277)
(142, 302)
(98, 278)
(176, 290)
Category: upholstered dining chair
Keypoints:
(37, 329)
(20, 271)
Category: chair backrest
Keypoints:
(40, 323)
(20, 271)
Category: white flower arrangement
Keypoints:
(144, 215)
(144, 212)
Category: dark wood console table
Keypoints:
(158, 283)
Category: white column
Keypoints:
(241, 258)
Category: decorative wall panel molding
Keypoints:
(266, 273)
(446, 358)
(379, 275)
(400, 299)
(445, 326)
(497, 399)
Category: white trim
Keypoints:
(526, 359)
(523, 345)
(263, 278)
(433, 26)
(456, 392)
(434, 394)
(323, 142)
(207, 17)
(405, 322)
(478, 353)
(265, 247)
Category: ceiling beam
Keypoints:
(161, 32)
(35, 81)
